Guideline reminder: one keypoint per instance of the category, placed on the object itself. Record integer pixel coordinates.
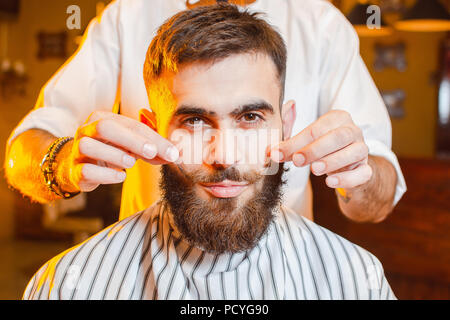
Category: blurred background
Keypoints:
(407, 51)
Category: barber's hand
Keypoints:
(105, 145)
(333, 145)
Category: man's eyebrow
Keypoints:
(199, 111)
(255, 106)
(193, 110)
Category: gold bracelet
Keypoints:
(48, 170)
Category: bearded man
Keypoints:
(220, 230)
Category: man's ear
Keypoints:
(148, 117)
(288, 115)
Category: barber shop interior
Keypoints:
(129, 171)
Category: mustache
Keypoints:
(230, 173)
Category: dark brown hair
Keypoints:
(209, 34)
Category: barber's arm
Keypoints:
(87, 82)
(79, 102)
(350, 142)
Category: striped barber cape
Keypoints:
(143, 257)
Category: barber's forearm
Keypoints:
(22, 164)
(372, 201)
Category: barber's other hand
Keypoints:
(333, 145)
(106, 144)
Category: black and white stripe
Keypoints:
(143, 257)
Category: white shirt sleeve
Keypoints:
(347, 85)
(88, 81)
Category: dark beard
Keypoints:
(218, 225)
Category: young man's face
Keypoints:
(226, 117)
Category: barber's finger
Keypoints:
(350, 179)
(166, 152)
(94, 149)
(130, 123)
(98, 115)
(329, 121)
(329, 143)
(147, 147)
(155, 161)
(342, 158)
(88, 175)
(104, 115)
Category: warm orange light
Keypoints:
(364, 31)
(162, 103)
(423, 25)
(342, 192)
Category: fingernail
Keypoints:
(128, 161)
(276, 155)
(318, 167)
(149, 151)
(332, 181)
(121, 176)
(172, 154)
(298, 159)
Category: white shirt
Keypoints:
(324, 71)
(144, 257)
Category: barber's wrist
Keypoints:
(63, 172)
(372, 201)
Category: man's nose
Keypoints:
(223, 151)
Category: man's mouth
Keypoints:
(225, 189)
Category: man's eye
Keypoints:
(194, 121)
(251, 117)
